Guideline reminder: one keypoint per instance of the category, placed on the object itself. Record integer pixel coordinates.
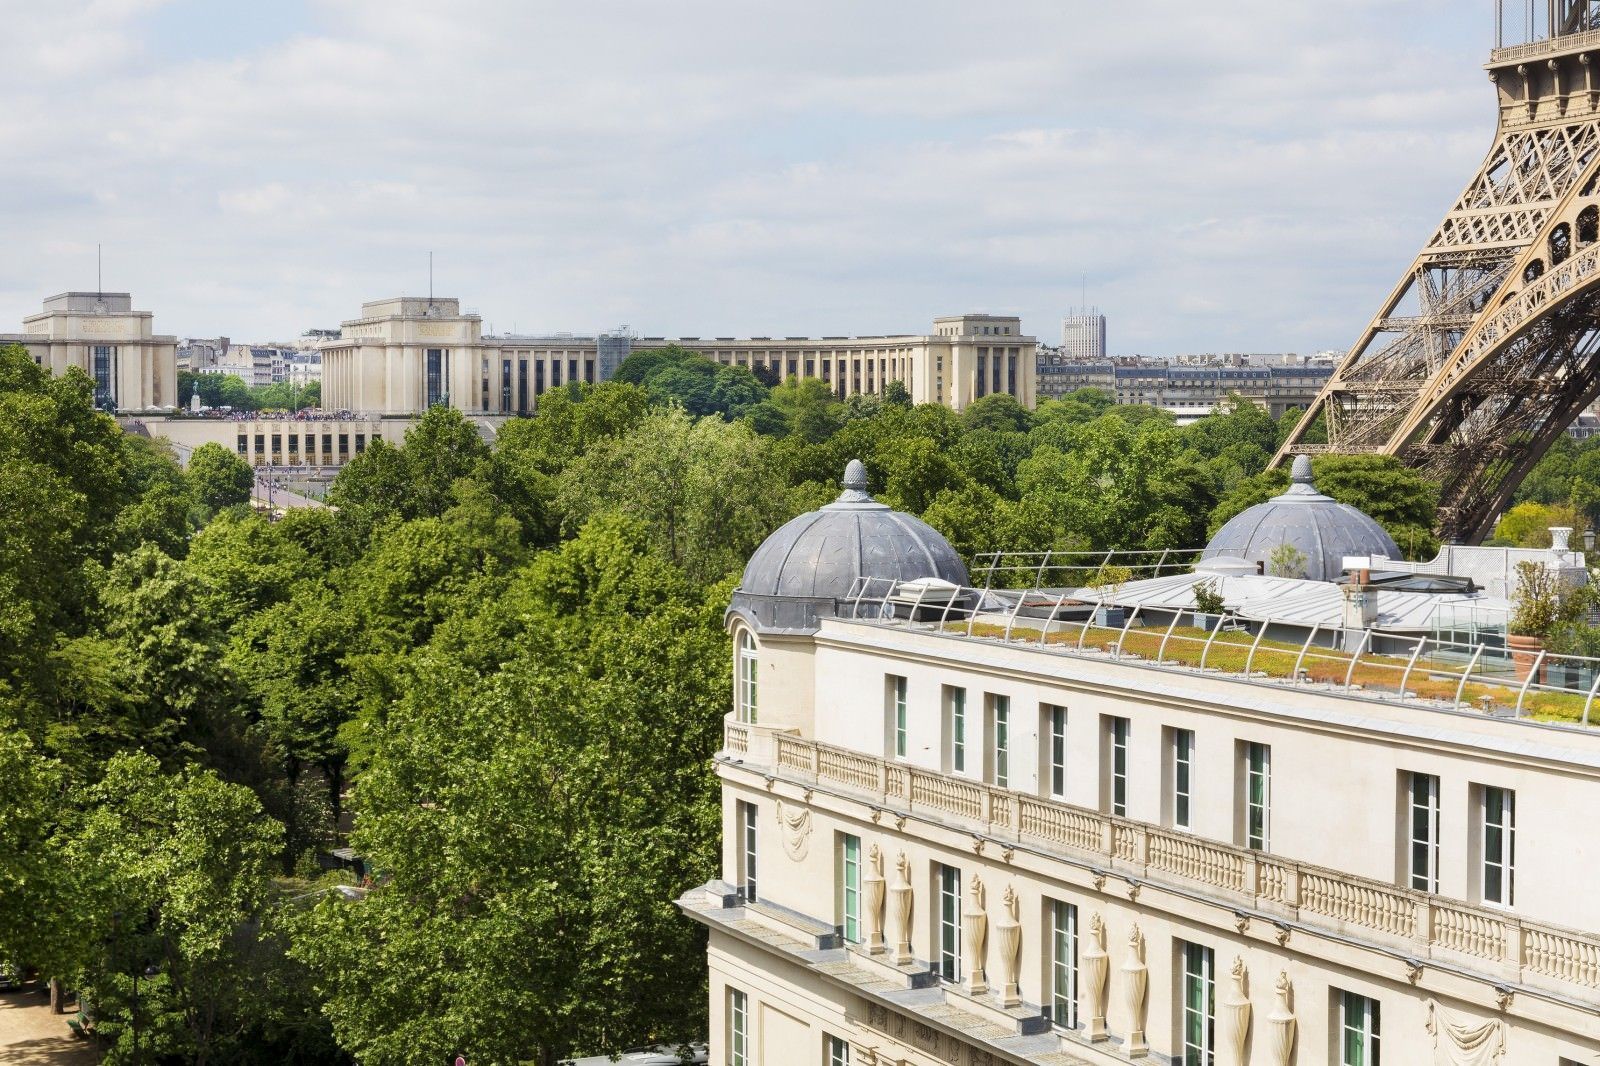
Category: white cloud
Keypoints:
(1253, 180)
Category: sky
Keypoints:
(1249, 175)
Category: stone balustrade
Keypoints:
(1498, 944)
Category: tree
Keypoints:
(997, 411)
(895, 394)
(1527, 525)
(706, 492)
(219, 478)
(415, 480)
(236, 394)
(528, 912)
(32, 877)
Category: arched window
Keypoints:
(1588, 225)
(744, 695)
(1560, 244)
(1535, 269)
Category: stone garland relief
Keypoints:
(875, 899)
(1096, 971)
(1135, 982)
(975, 935)
(796, 830)
(1459, 1043)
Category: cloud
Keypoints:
(1255, 180)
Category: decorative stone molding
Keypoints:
(1008, 934)
(1236, 1012)
(875, 892)
(1135, 983)
(1281, 1023)
(975, 936)
(796, 830)
(1460, 1043)
(900, 893)
(1096, 972)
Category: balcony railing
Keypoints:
(1418, 925)
(1420, 671)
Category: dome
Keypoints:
(1321, 528)
(816, 558)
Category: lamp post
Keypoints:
(1588, 539)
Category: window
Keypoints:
(1358, 1030)
(435, 375)
(745, 688)
(949, 965)
(738, 1028)
(838, 1051)
(1064, 964)
(1114, 761)
(956, 701)
(1423, 821)
(1258, 796)
(1499, 845)
(1199, 1006)
(746, 815)
(1000, 739)
(897, 713)
(1182, 746)
(1056, 718)
(850, 886)
(104, 391)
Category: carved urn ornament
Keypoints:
(900, 894)
(1135, 982)
(1280, 1023)
(1236, 1011)
(875, 898)
(1096, 973)
(975, 934)
(1008, 934)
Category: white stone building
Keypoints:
(959, 843)
(133, 368)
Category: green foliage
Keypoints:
(677, 376)
(218, 478)
(1540, 602)
(1207, 597)
(1286, 561)
(1527, 525)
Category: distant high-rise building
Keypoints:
(1083, 334)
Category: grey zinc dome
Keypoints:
(1319, 527)
(811, 561)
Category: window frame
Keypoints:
(836, 1050)
(849, 867)
(1367, 1032)
(1118, 730)
(999, 740)
(1257, 767)
(746, 815)
(1182, 783)
(1198, 963)
(948, 924)
(1056, 752)
(738, 1027)
(1503, 861)
(1063, 971)
(956, 709)
(747, 678)
(899, 723)
(1425, 879)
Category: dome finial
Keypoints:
(1300, 473)
(854, 484)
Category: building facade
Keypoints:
(944, 846)
(407, 354)
(1188, 392)
(132, 367)
(1083, 336)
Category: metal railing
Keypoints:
(1052, 569)
(1423, 671)
(1420, 924)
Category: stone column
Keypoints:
(1008, 933)
(1096, 971)
(975, 936)
(875, 898)
(1236, 1013)
(1135, 979)
(1281, 1024)
(901, 894)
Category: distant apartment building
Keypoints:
(195, 354)
(1083, 335)
(132, 367)
(1187, 390)
(406, 354)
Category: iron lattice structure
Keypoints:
(1488, 346)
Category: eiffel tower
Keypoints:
(1489, 345)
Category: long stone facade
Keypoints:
(943, 850)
